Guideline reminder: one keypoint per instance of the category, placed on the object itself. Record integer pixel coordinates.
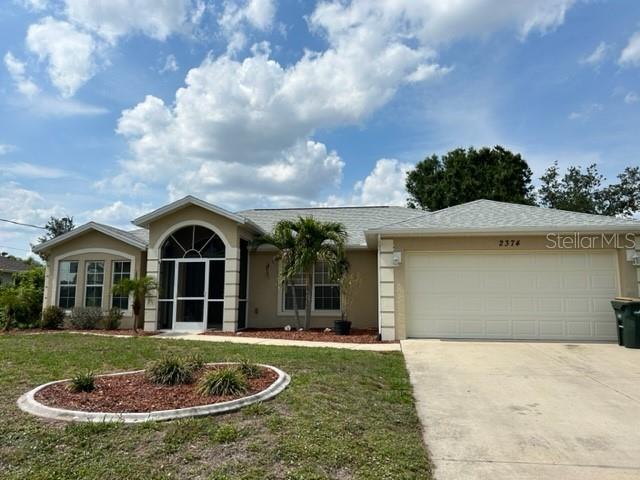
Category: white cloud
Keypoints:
(170, 64)
(257, 13)
(30, 170)
(240, 132)
(586, 112)
(596, 57)
(385, 185)
(69, 53)
(118, 213)
(631, 97)
(35, 5)
(630, 55)
(17, 70)
(111, 19)
(6, 148)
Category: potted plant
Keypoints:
(348, 282)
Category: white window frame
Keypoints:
(87, 284)
(128, 311)
(74, 285)
(314, 311)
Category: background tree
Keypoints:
(21, 299)
(12, 299)
(282, 238)
(582, 191)
(56, 227)
(141, 289)
(465, 175)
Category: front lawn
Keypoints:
(347, 414)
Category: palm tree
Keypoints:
(316, 242)
(283, 239)
(140, 288)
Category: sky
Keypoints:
(111, 108)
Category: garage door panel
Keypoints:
(511, 295)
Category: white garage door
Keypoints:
(525, 295)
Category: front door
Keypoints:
(190, 295)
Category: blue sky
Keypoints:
(109, 108)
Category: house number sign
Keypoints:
(508, 243)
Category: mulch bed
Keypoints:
(314, 335)
(134, 393)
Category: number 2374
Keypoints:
(508, 243)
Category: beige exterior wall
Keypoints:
(91, 246)
(264, 293)
(230, 234)
(629, 276)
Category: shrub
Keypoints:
(249, 370)
(83, 382)
(112, 318)
(194, 361)
(225, 381)
(85, 318)
(172, 370)
(52, 317)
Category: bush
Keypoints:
(172, 370)
(52, 317)
(112, 319)
(226, 381)
(86, 318)
(194, 361)
(248, 369)
(83, 382)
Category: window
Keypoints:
(95, 280)
(326, 292)
(121, 270)
(68, 277)
(296, 284)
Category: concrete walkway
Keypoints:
(371, 347)
(517, 410)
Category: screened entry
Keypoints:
(191, 284)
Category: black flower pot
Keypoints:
(342, 327)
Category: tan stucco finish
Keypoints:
(264, 293)
(91, 246)
(628, 279)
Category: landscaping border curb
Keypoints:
(29, 404)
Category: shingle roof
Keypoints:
(137, 235)
(491, 215)
(355, 219)
(8, 264)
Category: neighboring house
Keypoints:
(9, 266)
(483, 269)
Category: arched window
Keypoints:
(192, 242)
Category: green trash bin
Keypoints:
(628, 321)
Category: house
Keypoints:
(483, 269)
(9, 266)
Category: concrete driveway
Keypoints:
(515, 410)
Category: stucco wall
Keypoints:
(90, 246)
(263, 293)
(229, 232)
(628, 274)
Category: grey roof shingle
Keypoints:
(138, 235)
(8, 264)
(488, 215)
(355, 219)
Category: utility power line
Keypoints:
(22, 224)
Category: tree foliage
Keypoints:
(583, 191)
(140, 288)
(21, 299)
(465, 175)
(56, 227)
(308, 241)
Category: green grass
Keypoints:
(346, 415)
